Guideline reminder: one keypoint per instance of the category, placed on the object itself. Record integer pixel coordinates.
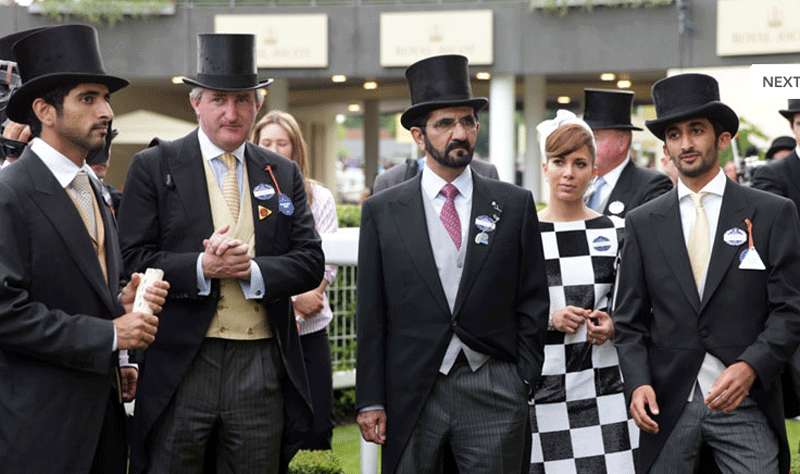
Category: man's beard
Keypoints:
(85, 141)
(445, 159)
(704, 163)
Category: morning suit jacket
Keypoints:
(56, 333)
(782, 177)
(164, 217)
(663, 329)
(404, 321)
(636, 186)
(399, 173)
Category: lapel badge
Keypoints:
(263, 213)
(616, 207)
(734, 237)
(482, 238)
(285, 205)
(749, 259)
(601, 243)
(486, 224)
(263, 192)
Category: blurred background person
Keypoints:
(580, 366)
(279, 132)
(669, 168)
(620, 185)
(99, 160)
(780, 148)
(730, 171)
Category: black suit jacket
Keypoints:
(782, 177)
(663, 329)
(164, 217)
(404, 321)
(636, 186)
(56, 332)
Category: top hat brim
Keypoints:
(229, 87)
(20, 102)
(423, 108)
(604, 126)
(788, 114)
(715, 110)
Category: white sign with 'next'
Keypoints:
(776, 80)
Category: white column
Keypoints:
(278, 95)
(535, 106)
(501, 125)
(371, 140)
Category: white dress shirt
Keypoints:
(432, 184)
(255, 288)
(712, 367)
(611, 179)
(65, 170)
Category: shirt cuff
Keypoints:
(114, 342)
(124, 360)
(371, 408)
(255, 288)
(203, 283)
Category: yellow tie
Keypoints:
(698, 240)
(80, 190)
(230, 187)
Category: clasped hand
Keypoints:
(599, 327)
(225, 257)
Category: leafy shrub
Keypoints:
(315, 462)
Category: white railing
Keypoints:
(341, 249)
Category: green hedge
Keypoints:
(315, 462)
(349, 215)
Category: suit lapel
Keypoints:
(51, 198)
(189, 177)
(256, 174)
(621, 188)
(732, 214)
(412, 229)
(666, 220)
(482, 199)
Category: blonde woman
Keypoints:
(579, 416)
(279, 132)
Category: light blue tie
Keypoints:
(595, 201)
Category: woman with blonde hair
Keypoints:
(279, 132)
(579, 416)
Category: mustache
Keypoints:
(455, 145)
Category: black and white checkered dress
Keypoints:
(579, 417)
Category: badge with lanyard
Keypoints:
(285, 205)
(749, 259)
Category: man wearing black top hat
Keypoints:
(452, 298)
(229, 223)
(62, 320)
(782, 177)
(619, 185)
(708, 302)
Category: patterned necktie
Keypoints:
(594, 201)
(698, 240)
(230, 187)
(449, 216)
(82, 195)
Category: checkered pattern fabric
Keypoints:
(579, 417)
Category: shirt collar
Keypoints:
(210, 151)
(716, 186)
(797, 151)
(62, 167)
(432, 183)
(612, 176)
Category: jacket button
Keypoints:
(703, 333)
(453, 324)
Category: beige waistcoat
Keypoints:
(236, 317)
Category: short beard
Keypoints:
(444, 158)
(705, 165)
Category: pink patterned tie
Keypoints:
(449, 216)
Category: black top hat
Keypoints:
(781, 143)
(226, 62)
(7, 42)
(438, 82)
(53, 55)
(608, 109)
(687, 96)
(792, 108)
